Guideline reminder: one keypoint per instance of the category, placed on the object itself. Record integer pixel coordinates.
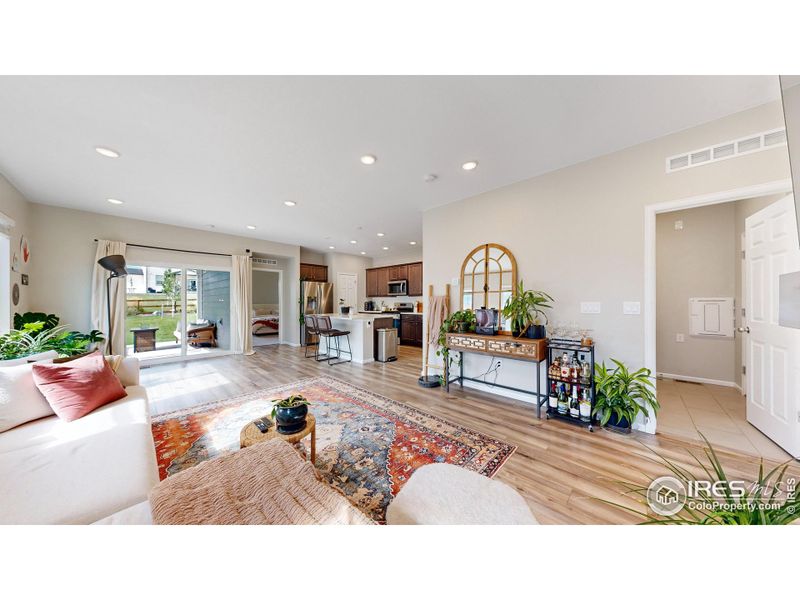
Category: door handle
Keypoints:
(743, 329)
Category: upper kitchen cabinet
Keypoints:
(378, 279)
(415, 279)
(309, 272)
(372, 283)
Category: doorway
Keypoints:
(175, 312)
(709, 401)
(347, 290)
(267, 316)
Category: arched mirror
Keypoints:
(488, 279)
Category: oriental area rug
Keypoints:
(367, 445)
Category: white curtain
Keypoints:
(241, 297)
(117, 289)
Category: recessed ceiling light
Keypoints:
(353, 242)
(386, 247)
(368, 159)
(290, 203)
(107, 152)
(115, 201)
(251, 226)
(332, 247)
(470, 165)
(413, 243)
(431, 177)
(381, 234)
(362, 252)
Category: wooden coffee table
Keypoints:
(251, 435)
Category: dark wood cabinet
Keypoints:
(378, 279)
(309, 272)
(415, 279)
(383, 281)
(411, 330)
(372, 283)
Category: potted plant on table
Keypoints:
(525, 309)
(621, 395)
(464, 321)
(290, 413)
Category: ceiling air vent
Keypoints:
(746, 145)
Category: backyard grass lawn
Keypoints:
(166, 326)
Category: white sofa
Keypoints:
(84, 471)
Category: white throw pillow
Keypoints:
(20, 400)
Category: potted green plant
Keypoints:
(464, 321)
(621, 395)
(525, 310)
(290, 413)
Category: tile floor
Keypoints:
(716, 411)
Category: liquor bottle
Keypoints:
(586, 373)
(585, 407)
(574, 411)
(563, 405)
(552, 401)
(555, 368)
(574, 369)
(565, 366)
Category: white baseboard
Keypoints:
(732, 384)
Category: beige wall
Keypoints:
(409, 256)
(696, 261)
(65, 251)
(265, 287)
(347, 263)
(15, 206)
(578, 233)
(309, 256)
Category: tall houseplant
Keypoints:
(621, 394)
(525, 309)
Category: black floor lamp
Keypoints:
(116, 265)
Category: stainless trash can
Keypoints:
(387, 344)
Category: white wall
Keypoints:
(697, 261)
(412, 255)
(65, 251)
(578, 233)
(14, 205)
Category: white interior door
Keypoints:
(773, 352)
(347, 289)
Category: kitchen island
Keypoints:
(362, 334)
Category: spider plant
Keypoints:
(622, 394)
(525, 308)
(772, 499)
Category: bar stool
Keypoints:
(312, 328)
(329, 333)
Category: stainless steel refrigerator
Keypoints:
(315, 299)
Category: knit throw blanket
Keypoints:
(265, 484)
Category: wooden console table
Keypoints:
(505, 346)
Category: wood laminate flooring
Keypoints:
(563, 471)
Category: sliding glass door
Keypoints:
(176, 311)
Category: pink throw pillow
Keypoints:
(76, 388)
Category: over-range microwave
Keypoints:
(398, 287)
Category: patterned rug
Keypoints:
(367, 445)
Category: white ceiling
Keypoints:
(229, 151)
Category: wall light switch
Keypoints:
(631, 308)
(455, 282)
(678, 225)
(679, 338)
(590, 308)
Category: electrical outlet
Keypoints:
(679, 338)
(678, 225)
(590, 308)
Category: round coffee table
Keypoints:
(251, 435)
